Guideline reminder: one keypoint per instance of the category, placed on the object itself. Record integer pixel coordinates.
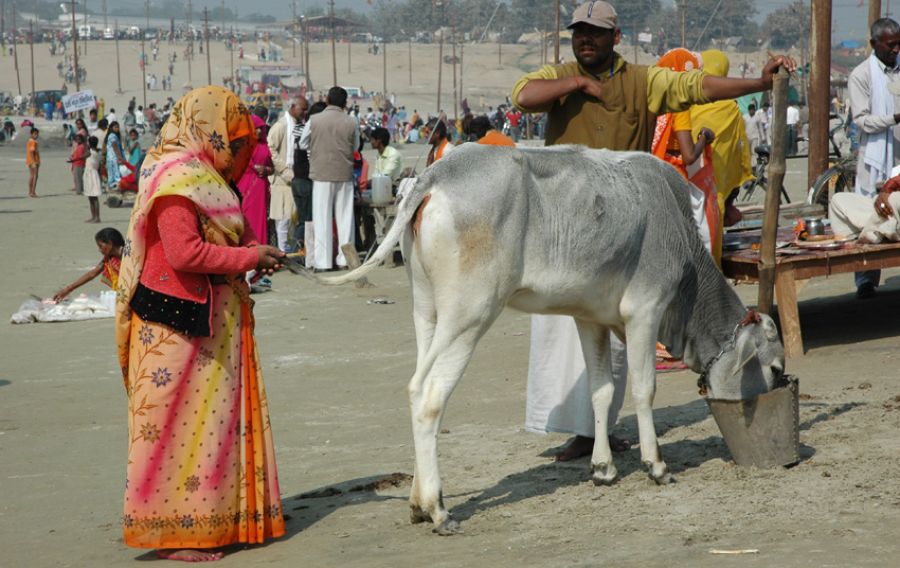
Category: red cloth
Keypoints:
(178, 262)
(514, 117)
(79, 156)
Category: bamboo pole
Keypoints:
(556, 47)
(819, 88)
(773, 193)
(15, 33)
(74, 51)
(206, 33)
(118, 66)
(31, 49)
(455, 92)
(333, 52)
(440, 70)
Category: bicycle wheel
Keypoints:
(831, 181)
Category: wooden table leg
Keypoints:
(788, 312)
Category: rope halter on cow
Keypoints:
(751, 317)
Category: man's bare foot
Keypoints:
(581, 446)
(187, 555)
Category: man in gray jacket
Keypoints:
(331, 137)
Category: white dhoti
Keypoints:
(332, 198)
(852, 214)
(559, 392)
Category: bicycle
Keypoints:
(763, 155)
(839, 177)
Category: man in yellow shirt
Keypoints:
(389, 161)
(601, 101)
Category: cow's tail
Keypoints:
(405, 213)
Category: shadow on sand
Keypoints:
(845, 320)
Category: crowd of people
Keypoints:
(219, 176)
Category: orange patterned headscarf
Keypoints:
(192, 158)
(680, 59)
(206, 120)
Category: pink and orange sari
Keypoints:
(201, 462)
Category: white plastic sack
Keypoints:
(84, 307)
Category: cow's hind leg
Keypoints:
(424, 319)
(595, 346)
(641, 333)
(457, 332)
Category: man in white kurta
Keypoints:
(331, 137)
(558, 389)
(874, 87)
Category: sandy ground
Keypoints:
(336, 367)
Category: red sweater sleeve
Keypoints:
(176, 220)
(249, 238)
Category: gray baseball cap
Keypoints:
(597, 14)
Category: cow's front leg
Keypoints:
(595, 346)
(641, 349)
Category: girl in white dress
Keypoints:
(91, 180)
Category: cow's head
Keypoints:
(755, 365)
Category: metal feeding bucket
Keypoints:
(764, 431)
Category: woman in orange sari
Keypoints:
(201, 462)
(672, 140)
(673, 143)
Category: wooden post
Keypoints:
(16, 47)
(190, 55)
(556, 46)
(31, 49)
(333, 49)
(384, 65)
(440, 70)
(455, 92)
(74, 50)
(819, 88)
(409, 46)
(773, 193)
(874, 12)
(349, 45)
(85, 23)
(206, 33)
(118, 66)
(462, 94)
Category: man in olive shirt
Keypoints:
(601, 101)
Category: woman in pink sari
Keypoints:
(254, 184)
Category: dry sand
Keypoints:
(335, 370)
(488, 75)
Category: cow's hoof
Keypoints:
(604, 474)
(448, 527)
(659, 473)
(417, 515)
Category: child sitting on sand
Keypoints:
(111, 244)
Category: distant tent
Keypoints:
(850, 44)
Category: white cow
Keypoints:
(605, 237)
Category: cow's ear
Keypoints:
(769, 328)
